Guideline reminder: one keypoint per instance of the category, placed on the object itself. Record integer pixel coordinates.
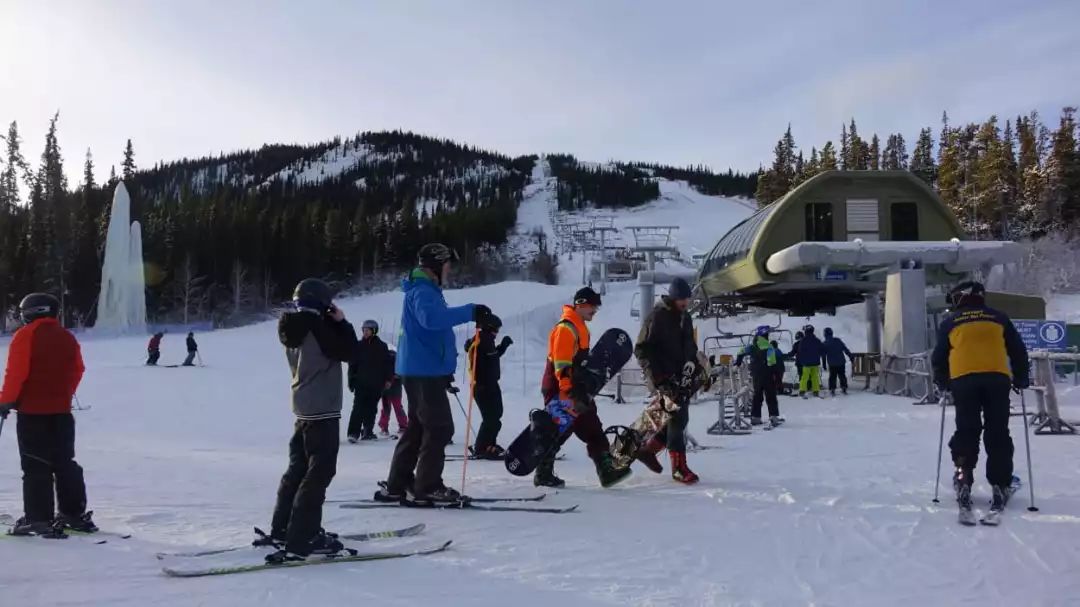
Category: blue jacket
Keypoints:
(811, 351)
(836, 352)
(426, 346)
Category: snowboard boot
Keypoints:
(755, 421)
(45, 529)
(544, 476)
(679, 470)
(647, 455)
(82, 523)
(608, 474)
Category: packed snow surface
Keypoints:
(833, 508)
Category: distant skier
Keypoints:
(153, 349)
(811, 353)
(836, 358)
(979, 353)
(317, 339)
(486, 374)
(44, 368)
(778, 369)
(192, 350)
(668, 353)
(426, 361)
(568, 343)
(370, 374)
(763, 359)
(391, 399)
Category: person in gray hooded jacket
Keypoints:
(317, 339)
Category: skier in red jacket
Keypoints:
(44, 368)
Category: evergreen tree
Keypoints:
(1030, 178)
(858, 158)
(13, 164)
(845, 149)
(922, 158)
(875, 154)
(949, 169)
(128, 166)
(1063, 171)
(780, 178)
(991, 179)
(828, 157)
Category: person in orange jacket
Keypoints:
(567, 344)
(44, 368)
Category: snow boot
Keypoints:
(544, 476)
(679, 470)
(438, 495)
(46, 529)
(755, 421)
(647, 455)
(81, 523)
(608, 474)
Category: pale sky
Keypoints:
(676, 82)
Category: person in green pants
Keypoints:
(810, 356)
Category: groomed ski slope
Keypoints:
(831, 509)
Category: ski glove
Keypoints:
(506, 342)
(1021, 383)
(5, 409)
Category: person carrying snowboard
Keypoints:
(810, 354)
(568, 344)
(391, 398)
(153, 349)
(317, 339)
(486, 374)
(192, 350)
(836, 358)
(370, 374)
(667, 353)
(979, 355)
(44, 368)
(763, 359)
(426, 361)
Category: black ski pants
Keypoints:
(764, 390)
(152, 357)
(366, 401)
(673, 434)
(47, 455)
(313, 453)
(981, 401)
(490, 402)
(837, 372)
(422, 448)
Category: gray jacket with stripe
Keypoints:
(315, 347)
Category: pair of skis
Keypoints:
(98, 537)
(488, 504)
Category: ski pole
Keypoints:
(2, 420)
(1027, 447)
(945, 398)
(472, 396)
(461, 407)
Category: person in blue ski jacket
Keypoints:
(836, 357)
(426, 362)
(810, 356)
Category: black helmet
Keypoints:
(586, 295)
(967, 292)
(490, 322)
(370, 324)
(313, 294)
(679, 289)
(38, 305)
(828, 331)
(808, 329)
(433, 255)
(798, 335)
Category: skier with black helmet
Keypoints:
(370, 374)
(486, 374)
(668, 356)
(836, 358)
(763, 358)
(426, 361)
(978, 356)
(44, 368)
(317, 339)
(810, 356)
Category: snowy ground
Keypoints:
(832, 509)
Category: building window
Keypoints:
(905, 221)
(819, 222)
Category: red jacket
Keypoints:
(44, 368)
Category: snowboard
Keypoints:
(541, 437)
(628, 439)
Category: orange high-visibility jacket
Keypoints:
(569, 337)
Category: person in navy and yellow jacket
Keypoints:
(44, 368)
(978, 357)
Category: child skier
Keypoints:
(836, 357)
(370, 374)
(810, 355)
(762, 363)
(486, 376)
(317, 339)
(391, 398)
(153, 349)
(44, 368)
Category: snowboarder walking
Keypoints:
(370, 374)
(192, 350)
(568, 343)
(836, 358)
(426, 361)
(317, 339)
(763, 360)
(486, 376)
(44, 368)
(979, 353)
(667, 352)
(391, 398)
(153, 349)
(810, 354)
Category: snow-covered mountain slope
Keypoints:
(831, 509)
